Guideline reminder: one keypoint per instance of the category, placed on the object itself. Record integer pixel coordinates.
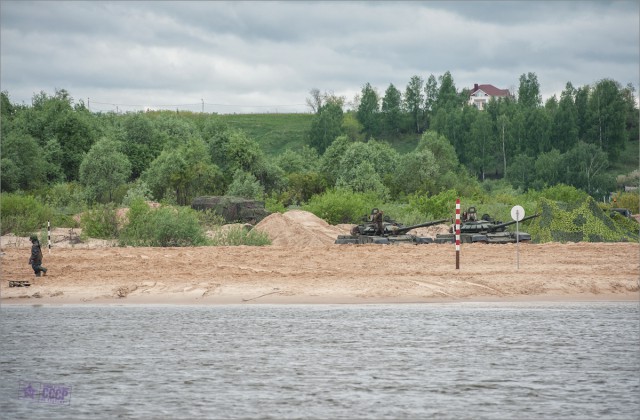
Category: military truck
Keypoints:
(232, 209)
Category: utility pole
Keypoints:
(202, 105)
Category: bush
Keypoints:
(100, 222)
(164, 226)
(342, 206)
(438, 206)
(628, 200)
(565, 193)
(139, 190)
(273, 205)
(22, 214)
(209, 219)
(239, 235)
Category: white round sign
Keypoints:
(517, 213)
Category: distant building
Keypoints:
(481, 94)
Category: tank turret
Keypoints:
(380, 229)
(485, 230)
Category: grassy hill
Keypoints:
(274, 132)
(278, 132)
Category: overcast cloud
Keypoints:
(266, 56)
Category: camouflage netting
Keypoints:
(232, 209)
(580, 221)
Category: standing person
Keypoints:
(36, 257)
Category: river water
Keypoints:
(459, 361)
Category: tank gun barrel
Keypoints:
(406, 229)
(513, 222)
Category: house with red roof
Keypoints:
(481, 94)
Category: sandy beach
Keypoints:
(304, 266)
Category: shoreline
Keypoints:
(231, 301)
(325, 274)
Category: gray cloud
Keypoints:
(260, 56)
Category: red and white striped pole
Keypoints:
(457, 233)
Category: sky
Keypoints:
(255, 57)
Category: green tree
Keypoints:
(537, 129)
(104, 169)
(529, 91)
(413, 101)
(582, 102)
(416, 173)
(430, 93)
(23, 163)
(330, 161)
(521, 172)
(382, 158)
(503, 126)
(56, 117)
(564, 130)
(631, 120)
(142, 142)
(305, 160)
(392, 109)
(585, 164)
(368, 112)
(326, 124)
(362, 178)
(448, 97)
(483, 144)
(607, 118)
(549, 167)
(246, 185)
(185, 171)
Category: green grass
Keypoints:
(275, 133)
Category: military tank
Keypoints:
(380, 229)
(484, 230)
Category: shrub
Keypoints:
(163, 226)
(437, 206)
(139, 190)
(239, 235)
(273, 205)
(628, 200)
(209, 219)
(22, 214)
(342, 206)
(100, 222)
(566, 193)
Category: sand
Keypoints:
(304, 266)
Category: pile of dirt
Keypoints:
(299, 228)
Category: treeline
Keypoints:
(58, 150)
(572, 139)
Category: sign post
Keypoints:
(517, 214)
(457, 234)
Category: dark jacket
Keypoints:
(36, 254)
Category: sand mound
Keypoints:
(299, 228)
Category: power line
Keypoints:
(195, 104)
